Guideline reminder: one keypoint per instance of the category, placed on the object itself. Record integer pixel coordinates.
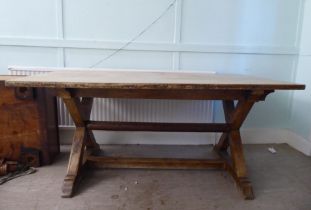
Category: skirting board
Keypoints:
(249, 136)
(276, 136)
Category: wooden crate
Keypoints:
(28, 121)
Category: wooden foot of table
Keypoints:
(247, 189)
(75, 162)
(68, 186)
(242, 182)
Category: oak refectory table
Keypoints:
(77, 88)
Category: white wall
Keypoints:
(301, 118)
(256, 37)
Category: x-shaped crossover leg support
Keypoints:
(235, 162)
(83, 140)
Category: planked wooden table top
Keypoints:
(126, 79)
(4, 78)
(8, 77)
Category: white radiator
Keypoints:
(137, 110)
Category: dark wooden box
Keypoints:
(28, 122)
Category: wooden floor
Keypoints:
(280, 181)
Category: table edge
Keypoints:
(55, 85)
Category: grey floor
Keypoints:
(280, 181)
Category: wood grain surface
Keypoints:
(29, 123)
(125, 79)
(18, 123)
(8, 77)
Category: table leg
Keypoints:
(75, 162)
(238, 168)
(83, 140)
(228, 107)
(91, 143)
(235, 162)
(86, 104)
